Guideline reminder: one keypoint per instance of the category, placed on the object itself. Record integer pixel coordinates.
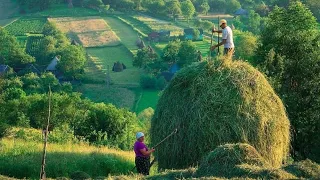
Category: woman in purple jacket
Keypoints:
(142, 155)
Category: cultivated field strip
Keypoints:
(89, 31)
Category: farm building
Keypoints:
(30, 68)
(3, 69)
(162, 35)
(52, 67)
(74, 42)
(241, 12)
(154, 36)
(189, 34)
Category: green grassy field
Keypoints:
(28, 25)
(156, 25)
(22, 159)
(148, 98)
(107, 56)
(119, 96)
(4, 22)
(8, 8)
(127, 36)
(137, 23)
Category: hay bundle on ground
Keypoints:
(227, 156)
(304, 169)
(117, 67)
(238, 160)
(214, 103)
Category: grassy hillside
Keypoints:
(7, 8)
(22, 159)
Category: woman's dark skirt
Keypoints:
(143, 165)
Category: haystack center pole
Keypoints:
(210, 52)
(218, 35)
(43, 164)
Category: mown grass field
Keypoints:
(148, 98)
(107, 56)
(7, 8)
(116, 95)
(126, 34)
(22, 159)
(142, 27)
(157, 25)
(80, 25)
(89, 31)
(4, 22)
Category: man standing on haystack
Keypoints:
(227, 38)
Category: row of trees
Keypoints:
(174, 8)
(36, 5)
(182, 52)
(289, 55)
(24, 103)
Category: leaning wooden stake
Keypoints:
(108, 79)
(43, 164)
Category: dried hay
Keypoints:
(99, 39)
(90, 24)
(305, 169)
(219, 102)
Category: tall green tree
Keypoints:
(314, 6)
(187, 9)
(144, 57)
(254, 22)
(294, 36)
(170, 52)
(11, 53)
(187, 53)
(173, 7)
(156, 6)
(204, 8)
(232, 6)
(72, 61)
(247, 44)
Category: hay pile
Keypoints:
(214, 103)
(304, 169)
(239, 161)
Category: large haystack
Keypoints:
(214, 103)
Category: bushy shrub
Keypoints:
(148, 82)
(161, 83)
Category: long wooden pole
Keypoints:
(43, 163)
(210, 52)
(218, 35)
